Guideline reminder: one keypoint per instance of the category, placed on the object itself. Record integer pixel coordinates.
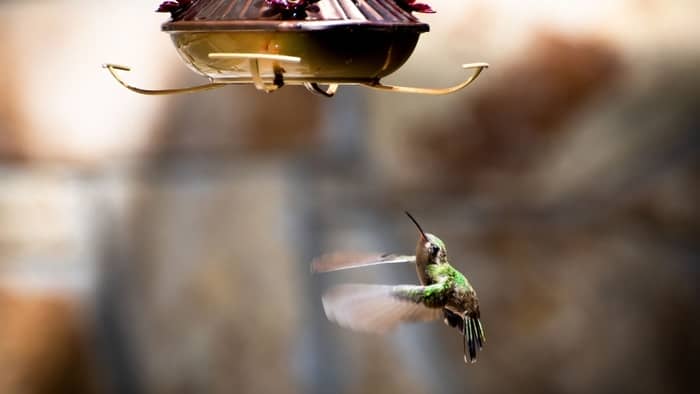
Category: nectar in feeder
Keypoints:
(272, 43)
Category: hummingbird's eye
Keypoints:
(434, 249)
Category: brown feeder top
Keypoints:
(209, 15)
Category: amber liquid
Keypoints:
(338, 55)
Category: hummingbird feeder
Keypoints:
(272, 43)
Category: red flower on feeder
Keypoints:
(174, 7)
(290, 9)
(412, 6)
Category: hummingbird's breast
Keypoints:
(423, 276)
(422, 262)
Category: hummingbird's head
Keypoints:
(430, 248)
(433, 249)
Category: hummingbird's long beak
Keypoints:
(420, 230)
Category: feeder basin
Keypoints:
(343, 41)
(342, 54)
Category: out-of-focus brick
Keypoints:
(238, 120)
(45, 224)
(518, 113)
(11, 145)
(43, 347)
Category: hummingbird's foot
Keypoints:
(453, 319)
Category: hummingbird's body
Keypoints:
(444, 292)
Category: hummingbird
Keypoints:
(443, 292)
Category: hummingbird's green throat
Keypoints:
(443, 292)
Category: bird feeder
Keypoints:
(272, 43)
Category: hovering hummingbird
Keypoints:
(444, 292)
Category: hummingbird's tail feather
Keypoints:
(469, 341)
(473, 336)
(465, 341)
(480, 333)
(372, 308)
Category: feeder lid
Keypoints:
(210, 15)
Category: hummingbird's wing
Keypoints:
(344, 260)
(374, 308)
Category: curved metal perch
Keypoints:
(256, 78)
(314, 87)
(159, 92)
(477, 67)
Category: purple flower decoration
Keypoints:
(175, 7)
(290, 9)
(412, 6)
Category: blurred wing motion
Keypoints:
(374, 308)
(346, 260)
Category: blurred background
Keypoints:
(161, 244)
